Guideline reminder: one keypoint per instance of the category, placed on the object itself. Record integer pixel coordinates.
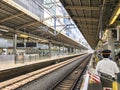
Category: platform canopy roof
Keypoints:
(91, 16)
(16, 19)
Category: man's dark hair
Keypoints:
(105, 55)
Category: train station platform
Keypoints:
(35, 34)
(40, 60)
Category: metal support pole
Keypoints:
(14, 47)
(72, 49)
(63, 49)
(118, 32)
(59, 50)
(54, 25)
(68, 49)
(111, 44)
(50, 48)
(101, 23)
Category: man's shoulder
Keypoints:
(100, 61)
(112, 61)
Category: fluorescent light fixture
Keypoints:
(36, 38)
(4, 30)
(115, 16)
(24, 36)
(45, 41)
(118, 12)
(113, 20)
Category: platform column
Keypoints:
(50, 44)
(72, 50)
(63, 49)
(75, 50)
(59, 49)
(68, 49)
(111, 44)
(14, 46)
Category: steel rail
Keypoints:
(24, 79)
(70, 82)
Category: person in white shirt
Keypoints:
(107, 67)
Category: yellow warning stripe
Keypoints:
(114, 85)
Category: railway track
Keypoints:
(71, 80)
(22, 80)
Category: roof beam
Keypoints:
(85, 19)
(6, 12)
(20, 8)
(3, 11)
(82, 7)
(90, 33)
(27, 24)
(88, 28)
(87, 25)
(11, 17)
